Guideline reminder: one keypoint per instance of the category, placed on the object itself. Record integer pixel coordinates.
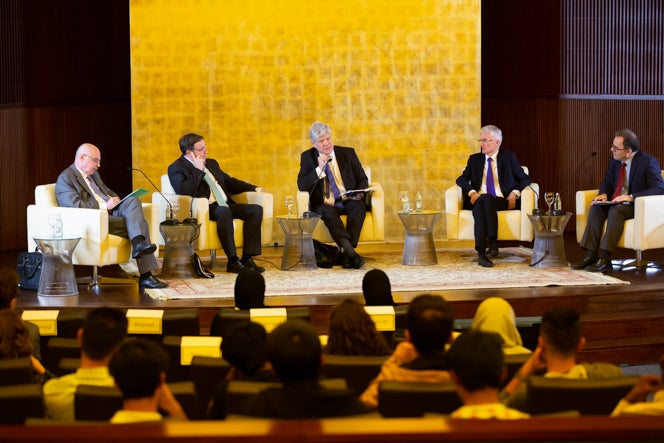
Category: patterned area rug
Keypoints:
(456, 269)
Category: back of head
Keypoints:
(104, 329)
(352, 331)
(244, 347)
(477, 360)
(249, 290)
(377, 289)
(188, 141)
(294, 351)
(561, 330)
(8, 287)
(430, 321)
(137, 368)
(14, 340)
(496, 315)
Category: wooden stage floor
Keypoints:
(623, 324)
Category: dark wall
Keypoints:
(64, 80)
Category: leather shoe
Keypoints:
(249, 263)
(151, 282)
(141, 249)
(601, 265)
(235, 266)
(587, 261)
(493, 250)
(484, 261)
(352, 261)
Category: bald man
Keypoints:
(81, 186)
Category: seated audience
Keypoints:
(353, 332)
(476, 362)
(559, 341)
(294, 351)
(8, 291)
(636, 403)
(101, 335)
(249, 290)
(244, 348)
(421, 357)
(496, 315)
(377, 289)
(15, 342)
(139, 370)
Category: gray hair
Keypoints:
(494, 131)
(317, 130)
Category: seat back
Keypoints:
(20, 402)
(16, 371)
(96, 403)
(45, 195)
(58, 348)
(414, 399)
(357, 370)
(227, 317)
(207, 372)
(588, 396)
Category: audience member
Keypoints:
(249, 290)
(15, 342)
(496, 315)
(476, 362)
(377, 289)
(244, 348)
(421, 356)
(139, 371)
(8, 292)
(353, 332)
(559, 341)
(636, 403)
(102, 333)
(294, 351)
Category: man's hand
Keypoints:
(600, 198)
(198, 161)
(112, 203)
(511, 200)
(473, 197)
(322, 160)
(623, 198)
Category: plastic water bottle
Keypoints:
(557, 204)
(418, 202)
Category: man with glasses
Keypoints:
(81, 186)
(492, 181)
(196, 175)
(631, 174)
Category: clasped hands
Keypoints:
(511, 199)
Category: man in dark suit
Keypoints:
(81, 186)
(486, 194)
(196, 175)
(631, 174)
(326, 172)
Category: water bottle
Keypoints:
(557, 205)
(418, 202)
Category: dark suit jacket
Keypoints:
(644, 177)
(349, 165)
(186, 179)
(510, 174)
(72, 191)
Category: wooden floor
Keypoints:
(623, 324)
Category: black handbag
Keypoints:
(28, 267)
(199, 268)
(326, 255)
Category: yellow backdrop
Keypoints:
(399, 81)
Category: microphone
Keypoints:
(329, 160)
(191, 219)
(172, 220)
(576, 173)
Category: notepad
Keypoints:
(138, 193)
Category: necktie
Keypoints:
(333, 185)
(490, 187)
(620, 183)
(96, 189)
(219, 194)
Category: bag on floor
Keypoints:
(28, 268)
(326, 255)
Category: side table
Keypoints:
(299, 246)
(419, 248)
(178, 250)
(57, 275)
(549, 246)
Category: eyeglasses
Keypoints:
(94, 159)
(202, 148)
(615, 148)
(486, 140)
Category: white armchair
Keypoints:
(97, 247)
(512, 224)
(208, 238)
(645, 231)
(373, 228)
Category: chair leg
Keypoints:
(96, 280)
(636, 263)
(213, 258)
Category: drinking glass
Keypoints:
(405, 201)
(289, 201)
(549, 198)
(55, 221)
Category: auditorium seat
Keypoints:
(588, 396)
(206, 373)
(226, 317)
(358, 371)
(175, 372)
(414, 399)
(58, 348)
(20, 402)
(16, 371)
(177, 322)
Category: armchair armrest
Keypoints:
(648, 222)
(583, 200)
(266, 200)
(453, 202)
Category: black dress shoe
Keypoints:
(151, 282)
(601, 265)
(249, 263)
(587, 261)
(492, 251)
(484, 261)
(142, 249)
(352, 261)
(235, 266)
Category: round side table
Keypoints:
(299, 246)
(178, 250)
(57, 275)
(549, 246)
(419, 248)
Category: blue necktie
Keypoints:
(96, 189)
(490, 187)
(333, 185)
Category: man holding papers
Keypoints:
(327, 173)
(81, 186)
